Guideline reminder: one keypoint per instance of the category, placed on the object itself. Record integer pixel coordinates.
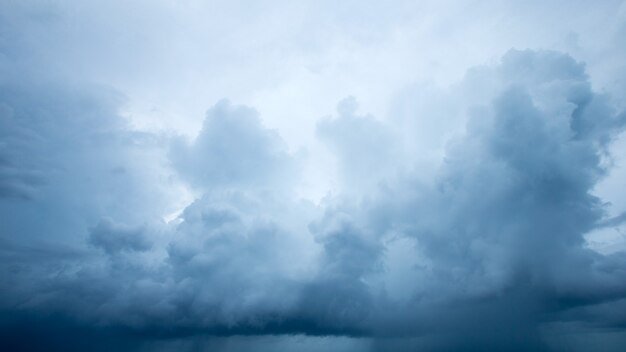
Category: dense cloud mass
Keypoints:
(114, 237)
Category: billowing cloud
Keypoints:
(218, 157)
(458, 223)
(504, 223)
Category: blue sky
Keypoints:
(243, 176)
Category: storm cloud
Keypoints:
(462, 221)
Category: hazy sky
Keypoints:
(312, 175)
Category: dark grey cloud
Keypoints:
(497, 237)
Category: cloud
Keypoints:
(504, 224)
(114, 238)
(233, 150)
(365, 147)
(494, 242)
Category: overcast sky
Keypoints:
(312, 175)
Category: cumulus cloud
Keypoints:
(485, 252)
(511, 205)
(233, 150)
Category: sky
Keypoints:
(312, 175)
